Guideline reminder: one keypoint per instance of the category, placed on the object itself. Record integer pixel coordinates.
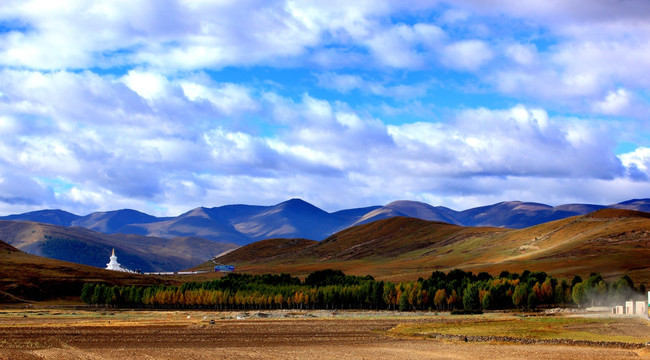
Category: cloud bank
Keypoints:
(169, 105)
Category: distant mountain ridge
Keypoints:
(295, 218)
(88, 247)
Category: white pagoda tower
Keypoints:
(113, 264)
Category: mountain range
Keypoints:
(295, 218)
(612, 242)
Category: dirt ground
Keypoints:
(67, 334)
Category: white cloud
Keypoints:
(322, 143)
(49, 156)
(602, 61)
(396, 46)
(8, 125)
(86, 197)
(514, 142)
(164, 34)
(567, 54)
(146, 84)
(522, 54)
(467, 54)
(614, 103)
(637, 163)
(228, 98)
(345, 83)
(19, 190)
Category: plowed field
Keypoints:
(68, 334)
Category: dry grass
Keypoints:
(626, 330)
(613, 242)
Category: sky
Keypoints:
(164, 106)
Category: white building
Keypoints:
(629, 307)
(114, 265)
(640, 308)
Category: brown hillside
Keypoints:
(28, 277)
(612, 242)
(6, 247)
(265, 250)
(389, 238)
(617, 213)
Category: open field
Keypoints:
(580, 327)
(70, 333)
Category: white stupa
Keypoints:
(115, 266)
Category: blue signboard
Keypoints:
(224, 268)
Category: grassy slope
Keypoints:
(612, 242)
(31, 277)
(264, 250)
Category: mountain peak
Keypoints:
(298, 204)
(197, 212)
(295, 202)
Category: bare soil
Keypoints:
(68, 334)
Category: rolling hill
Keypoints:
(610, 241)
(295, 218)
(27, 277)
(93, 248)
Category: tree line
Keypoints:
(332, 289)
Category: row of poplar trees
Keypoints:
(332, 289)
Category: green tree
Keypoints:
(533, 300)
(486, 301)
(377, 295)
(325, 277)
(576, 280)
(87, 293)
(558, 298)
(471, 300)
(520, 295)
(98, 295)
(578, 294)
(404, 302)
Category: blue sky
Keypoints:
(163, 106)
